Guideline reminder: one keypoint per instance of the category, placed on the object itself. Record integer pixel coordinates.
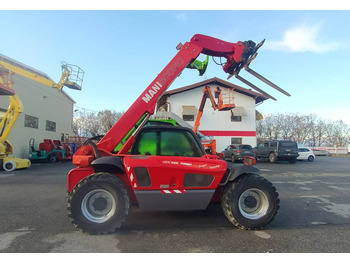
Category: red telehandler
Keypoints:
(166, 167)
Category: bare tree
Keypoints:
(320, 132)
(107, 118)
(336, 133)
(94, 124)
(305, 129)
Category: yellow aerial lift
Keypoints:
(72, 77)
(7, 162)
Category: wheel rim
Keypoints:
(98, 206)
(253, 204)
(9, 166)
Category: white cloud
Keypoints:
(303, 38)
(181, 17)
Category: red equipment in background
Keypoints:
(50, 150)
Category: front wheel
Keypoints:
(52, 159)
(99, 204)
(9, 165)
(251, 202)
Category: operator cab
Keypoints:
(167, 141)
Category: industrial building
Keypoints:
(47, 111)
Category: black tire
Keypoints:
(272, 158)
(9, 165)
(52, 159)
(99, 204)
(310, 158)
(251, 202)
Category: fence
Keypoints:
(333, 150)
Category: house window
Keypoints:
(236, 118)
(188, 117)
(188, 113)
(50, 126)
(237, 113)
(31, 121)
(236, 140)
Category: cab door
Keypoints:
(168, 170)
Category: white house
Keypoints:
(236, 126)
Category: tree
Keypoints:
(308, 130)
(107, 118)
(94, 123)
(336, 133)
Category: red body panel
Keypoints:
(76, 175)
(168, 172)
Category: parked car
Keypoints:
(305, 154)
(237, 152)
(278, 150)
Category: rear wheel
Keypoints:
(99, 204)
(310, 158)
(272, 158)
(251, 202)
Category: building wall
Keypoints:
(44, 103)
(219, 121)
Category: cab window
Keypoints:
(147, 144)
(168, 143)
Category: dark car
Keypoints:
(236, 153)
(278, 150)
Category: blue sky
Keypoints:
(306, 52)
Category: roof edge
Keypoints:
(258, 96)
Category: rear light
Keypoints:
(220, 155)
(239, 151)
(249, 160)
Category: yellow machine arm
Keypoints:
(9, 163)
(9, 119)
(11, 115)
(72, 75)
